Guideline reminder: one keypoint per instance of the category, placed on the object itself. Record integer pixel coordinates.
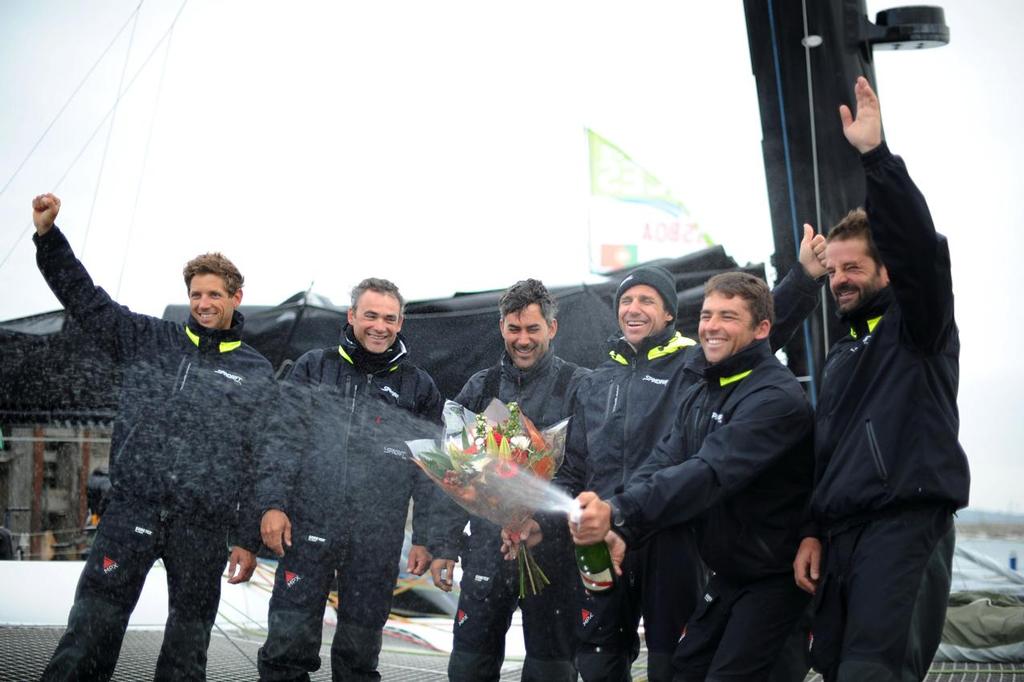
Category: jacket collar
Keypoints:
(522, 377)
(863, 319)
(372, 363)
(667, 342)
(737, 367)
(223, 340)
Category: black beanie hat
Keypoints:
(653, 276)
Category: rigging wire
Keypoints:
(67, 103)
(145, 161)
(110, 133)
(814, 167)
(791, 193)
(100, 125)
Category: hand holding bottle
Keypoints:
(594, 520)
(599, 561)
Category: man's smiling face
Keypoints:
(210, 303)
(376, 320)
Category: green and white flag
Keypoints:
(633, 217)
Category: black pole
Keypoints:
(813, 175)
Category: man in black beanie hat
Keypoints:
(656, 277)
(623, 409)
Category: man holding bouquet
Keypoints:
(335, 479)
(543, 384)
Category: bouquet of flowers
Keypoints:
(497, 465)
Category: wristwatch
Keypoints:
(618, 520)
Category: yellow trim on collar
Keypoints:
(725, 381)
(225, 346)
(342, 353)
(677, 343)
(872, 323)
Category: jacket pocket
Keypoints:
(121, 555)
(611, 402)
(876, 453)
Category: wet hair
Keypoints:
(855, 226)
(751, 289)
(214, 264)
(380, 286)
(524, 293)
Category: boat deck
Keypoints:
(24, 652)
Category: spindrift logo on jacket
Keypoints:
(655, 380)
(234, 377)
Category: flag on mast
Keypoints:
(633, 216)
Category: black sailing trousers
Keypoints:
(129, 540)
(880, 598)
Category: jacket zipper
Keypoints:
(124, 445)
(876, 453)
(697, 435)
(185, 378)
(625, 417)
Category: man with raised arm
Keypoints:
(193, 399)
(889, 471)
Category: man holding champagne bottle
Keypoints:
(623, 409)
(738, 463)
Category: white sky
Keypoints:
(441, 145)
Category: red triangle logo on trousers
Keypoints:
(108, 562)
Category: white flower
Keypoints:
(521, 442)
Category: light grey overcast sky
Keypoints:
(441, 145)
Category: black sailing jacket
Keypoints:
(335, 457)
(622, 410)
(887, 423)
(192, 406)
(739, 459)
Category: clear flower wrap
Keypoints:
(497, 465)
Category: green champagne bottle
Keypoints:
(593, 561)
(595, 564)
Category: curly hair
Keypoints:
(214, 264)
(524, 293)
